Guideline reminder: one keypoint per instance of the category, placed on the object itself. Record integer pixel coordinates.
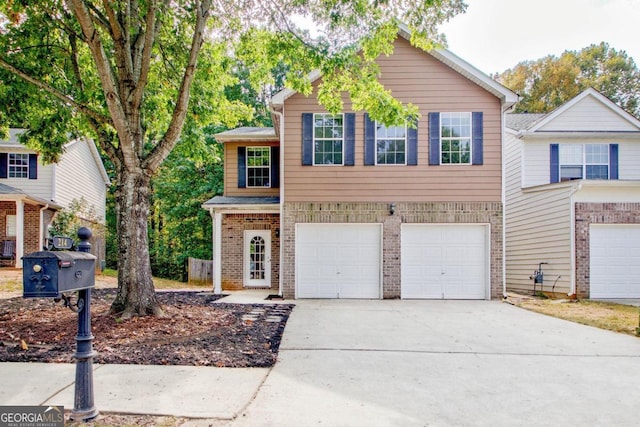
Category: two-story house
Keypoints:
(573, 199)
(339, 206)
(31, 193)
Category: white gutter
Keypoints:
(281, 151)
(572, 205)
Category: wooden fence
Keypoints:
(200, 272)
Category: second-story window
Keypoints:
(18, 165)
(588, 161)
(258, 166)
(455, 138)
(391, 145)
(328, 139)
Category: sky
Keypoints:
(495, 35)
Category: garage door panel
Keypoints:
(347, 264)
(444, 261)
(614, 261)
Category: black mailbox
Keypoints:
(48, 274)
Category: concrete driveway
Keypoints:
(444, 363)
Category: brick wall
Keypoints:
(408, 213)
(233, 228)
(31, 228)
(597, 213)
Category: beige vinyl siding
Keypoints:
(629, 159)
(589, 114)
(536, 157)
(412, 76)
(538, 228)
(231, 171)
(78, 176)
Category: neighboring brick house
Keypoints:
(32, 193)
(573, 199)
(339, 206)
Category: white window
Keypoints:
(584, 161)
(455, 138)
(10, 226)
(328, 139)
(18, 165)
(258, 166)
(391, 145)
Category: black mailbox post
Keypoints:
(49, 274)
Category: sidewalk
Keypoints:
(181, 391)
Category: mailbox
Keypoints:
(48, 274)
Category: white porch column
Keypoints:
(19, 232)
(217, 253)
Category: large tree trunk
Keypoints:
(136, 294)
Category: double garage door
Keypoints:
(437, 261)
(615, 261)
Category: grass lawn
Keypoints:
(603, 315)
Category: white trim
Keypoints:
(313, 139)
(19, 232)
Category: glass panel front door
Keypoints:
(257, 256)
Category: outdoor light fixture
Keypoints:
(392, 208)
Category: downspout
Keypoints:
(572, 205)
(503, 198)
(41, 241)
(281, 151)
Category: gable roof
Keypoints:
(521, 121)
(246, 133)
(506, 96)
(587, 93)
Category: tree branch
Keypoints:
(114, 103)
(105, 120)
(142, 72)
(164, 147)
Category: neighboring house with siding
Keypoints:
(324, 206)
(31, 193)
(573, 199)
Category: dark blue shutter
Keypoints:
(369, 141)
(242, 167)
(613, 161)
(33, 166)
(307, 139)
(434, 138)
(275, 167)
(554, 164)
(412, 145)
(477, 138)
(349, 139)
(4, 165)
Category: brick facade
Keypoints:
(485, 213)
(596, 213)
(233, 228)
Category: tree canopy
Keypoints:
(137, 76)
(549, 82)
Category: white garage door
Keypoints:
(338, 260)
(615, 261)
(444, 261)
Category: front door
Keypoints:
(257, 258)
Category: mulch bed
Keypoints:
(196, 332)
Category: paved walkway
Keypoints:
(369, 363)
